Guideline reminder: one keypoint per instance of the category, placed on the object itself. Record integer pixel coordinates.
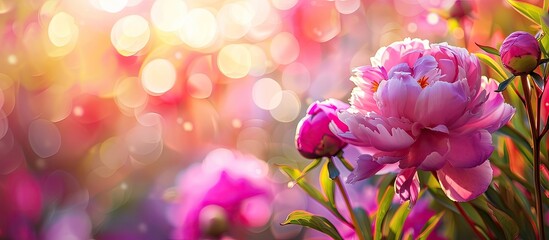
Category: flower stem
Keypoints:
(536, 152)
(350, 208)
(469, 220)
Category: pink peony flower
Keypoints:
(424, 106)
(225, 196)
(313, 137)
(520, 53)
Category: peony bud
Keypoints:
(520, 53)
(313, 137)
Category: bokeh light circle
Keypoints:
(284, 48)
(199, 86)
(168, 15)
(199, 28)
(130, 34)
(62, 29)
(234, 61)
(289, 107)
(158, 76)
(265, 93)
(44, 138)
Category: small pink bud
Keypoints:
(313, 137)
(520, 53)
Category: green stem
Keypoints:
(350, 208)
(469, 221)
(536, 152)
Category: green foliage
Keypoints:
(306, 219)
(327, 185)
(363, 222)
(398, 219)
(430, 226)
(493, 65)
(488, 49)
(382, 211)
(503, 85)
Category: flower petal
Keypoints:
(428, 151)
(397, 96)
(470, 150)
(441, 103)
(407, 185)
(366, 167)
(465, 184)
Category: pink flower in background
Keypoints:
(520, 53)
(425, 107)
(226, 195)
(313, 137)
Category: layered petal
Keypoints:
(397, 96)
(465, 184)
(428, 151)
(366, 167)
(367, 80)
(492, 114)
(407, 185)
(441, 103)
(470, 150)
(375, 132)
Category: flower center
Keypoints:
(423, 82)
(375, 85)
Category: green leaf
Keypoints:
(327, 185)
(306, 219)
(488, 49)
(538, 80)
(530, 11)
(308, 188)
(430, 226)
(397, 221)
(332, 170)
(382, 210)
(308, 168)
(503, 85)
(345, 162)
(363, 222)
(507, 224)
(492, 64)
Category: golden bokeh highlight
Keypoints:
(199, 28)
(130, 34)
(234, 60)
(62, 30)
(168, 15)
(158, 76)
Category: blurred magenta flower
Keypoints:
(520, 53)
(461, 9)
(425, 107)
(313, 137)
(227, 195)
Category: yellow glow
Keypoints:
(168, 15)
(158, 76)
(234, 61)
(199, 28)
(432, 18)
(130, 34)
(12, 59)
(62, 29)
